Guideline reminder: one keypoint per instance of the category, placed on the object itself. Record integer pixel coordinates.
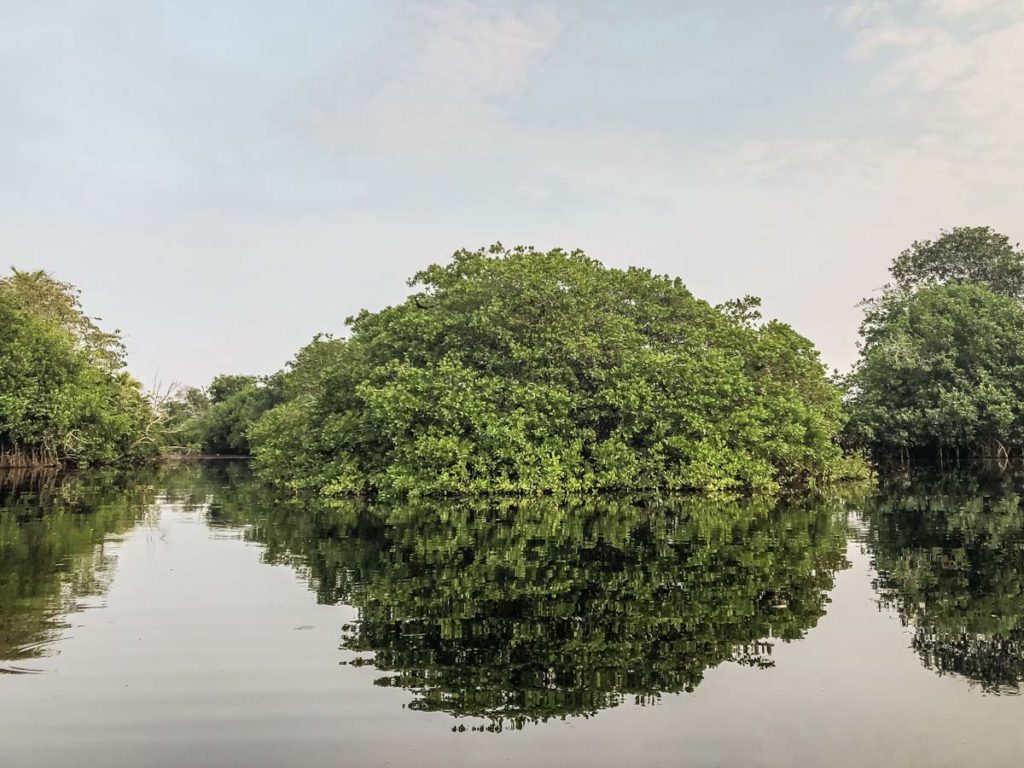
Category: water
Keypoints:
(191, 617)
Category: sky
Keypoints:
(224, 180)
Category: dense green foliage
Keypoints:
(942, 368)
(523, 371)
(950, 559)
(216, 421)
(944, 373)
(64, 394)
(521, 612)
(977, 255)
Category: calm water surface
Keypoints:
(189, 617)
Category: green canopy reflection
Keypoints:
(950, 560)
(549, 608)
(52, 555)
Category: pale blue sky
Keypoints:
(223, 180)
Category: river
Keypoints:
(190, 616)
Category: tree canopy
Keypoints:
(526, 371)
(942, 360)
(64, 394)
(962, 255)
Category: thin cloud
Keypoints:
(960, 86)
(449, 75)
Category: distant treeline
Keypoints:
(516, 370)
(216, 420)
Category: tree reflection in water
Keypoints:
(950, 561)
(52, 555)
(517, 612)
(522, 611)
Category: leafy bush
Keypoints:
(64, 395)
(527, 371)
(942, 367)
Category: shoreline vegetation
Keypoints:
(65, 396)
(524, 372)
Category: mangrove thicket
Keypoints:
(518, 370)
(527, 371)
(941, 374)
(65, 396)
